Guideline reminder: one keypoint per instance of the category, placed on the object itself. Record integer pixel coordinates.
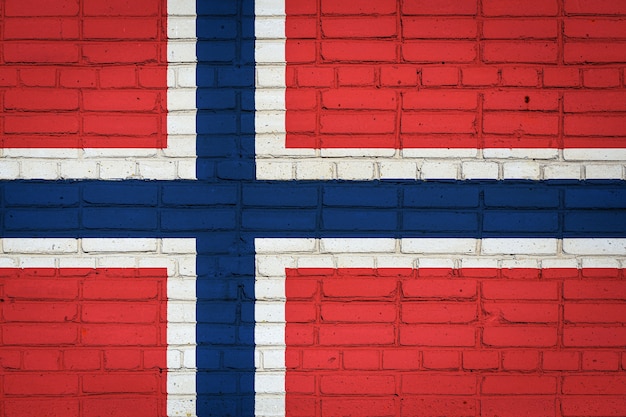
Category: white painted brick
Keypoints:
(435, 263)
(43, 153)
(269, 312)
(94, 245)
(512, 246)
(339, 245)
(8, 262)
(436, 245)
(269, 27)
(181, 7)
(480, 170)
(605, 171)
(270, 76)
(174, 359)
(439, 153)
(439, 170)
(181, 99)
(189, 358)
(270, 99)
(521, 170)
(171, 76)
(39, 169)
(9, 169)
(284, 245)
(520, 263)
(274, 359)
(157, 262)
(181, 382)
(269, 382)
(478, 263)
(180, 406)
(181, 311)
(355, 170)
(40, 245)
(561, 171)
(187, 169)
(186, 75)
(270, 51)
(76, 262)
(181, 289)
(117, 262)
(315, 262)
(181, 28)
(269, 8)
(181, 123)
(119, 153)
(272, 145)
(269, 121)
(180, 146)
(269, 405)
(274, 266)
(258, 360)
(600, 262)
(174, 245)
(161, 169)
(181, 51)
(395, 262)
(520, 153)
(187, 266)
(274, 170)
(595, 246)
(182, 334)
(269, 334)
(347, 261)
(559, 263)
(269, 289)
(79, 169)
(117, 169)
(362, 152)
(311, 170)
(599, 154)
(398, 169)
(32, 262)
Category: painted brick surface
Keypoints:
(471, 280)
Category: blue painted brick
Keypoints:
(247, 123)
(217, 243)
(209, 357)
(233, 265)
(216, 8)
(217, 383)
(345, 195)
(217, 98)
(290, 194)
(211, 28)
(518, 196)
(132, 193)
(597, 222)
(205, 77)
(359, 219)
(432, 222)
(42, 220)
(521, 221)
(218, 406)
(216, 312)
(238, 359)
(247, 100)
(217, 123)
(195, 219)
(209, 288)
(216, 146)
(216, 334)
(245, 335)
(586, 197)
(217, 51)
(34, 194)
(443, 195)
(235, 170)
(279, 219)
(190, 194)
(119, 219)
(235, 77)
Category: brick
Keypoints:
(593, 28)
(104, 312)
(357, 384)
(302, 121)
(593, 52)
(444, 7)
(519, 29)
(100, 100)
(315, 77)
(607, 406)
(298, 383)
(356, 334)
(41, 52)
(118, 407)
(358, 312)
(448, 122)
(450, 335)
(42, 123)
(300, 99)
(601, 77)
(520, 336)
(35, 407)
(595, 313)
(481, 359)
(358, 122)
(125, 29)
(41, 28)
(49, 289)
(358, 8)
(439, 288)
(507, 290)
(40, 384)
(600, 361)
(515, 8)
(42, 360)
(523, 312)
(594, 7)
(122, 383)
(339, 407)
(119, 76)
(134, 124)
(475, 76)
(81, 359)
(438, 28)
(127, 52)
(120, 8)
(361, 359)
(520, 52)
(33, 7)
(359, 27)
(440, 76)
(521, 100)
(118, 335)
(438, 312)
(359, 98)
(77, 77)
(594, 290)
(300, 312)
(521, 123)
(300, 51)
(439, 51)
(514, 406)
(594, 336)
(524, 360)
(401, 359)
(561, 361)
(561, 77)
(10, 359)
(295, 27)
(298, 334)
(357, 50)
(439, 384)
(441, 359)
(39, 312)
(8, 77)
(396, 76)
(438, 406)
(519, 384)
(358, 75)
(594, 384)
(593, 101)
(41, 99)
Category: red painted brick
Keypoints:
(592, 7)
(340, 407)
(41, 122)
(300, 383)
(301, 27)
(127, 52)
(358, 51)
(400, 359)
(118, 335)
(149, 76)
(594, 290)
(299, 334)
(34, 407)
(396, 76)
(441, 7)
(441, 359)
(594, 28)
(121, 8)
(315, 76)
(41, 52)
(301, 121)
(519, 290)
(10, 359)
(521, 100)
(39, 334)
(120, 76)
(132, 124)
(439, 384)
(439, 99)
(561, 77)
(481, 359)
(306, 288)
(438, 406)
(520, 77)
(357, 75)
(8, 77)
(359, 98)
(359, 27)
(450, 335)
(42, 360)
(358, 312)
(459, 312)
(358, 122)
(595, 313)
(36, 8)
(520, 336)
(600, 361)
(300, 312)
(515, 8)
(439, 288)
(360, 7)
(594, 101)
(519, 384)
(152, 359)
(601, 77)
(122, 358)
(438, 28)
(561, 361)
(40, 384)
(361, 359)
(41, 28)
(594, 336)
(518, 406)
(297, 51)
(519, 28)
(77, 77)
(521, 123)
(356, 334)
(520, 52)
(523, 360)
(97, 100)
(298, 7)
(475, 76)
(43, 99)
(439, 51)
(594, 384)
(119, 407)
(523, 312)
(120, 383)
(440, 76)
(448, 122)
(320, 359)
(124, 29)
(104, 312)
(372, 384)
(606, 406)
(81, 359)
(119, 289)
(39, 312)
(594, 52)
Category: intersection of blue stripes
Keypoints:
(226, 208)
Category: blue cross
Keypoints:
(226, 208)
